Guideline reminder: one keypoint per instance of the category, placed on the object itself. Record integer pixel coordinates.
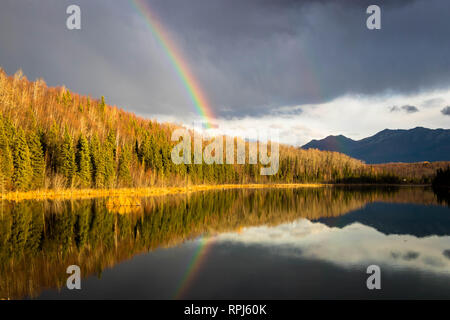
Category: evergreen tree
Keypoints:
(83, 160)
(124, 175)
(155, 160)
(22, 163)
(67, 98)
(67, 164)
(109, 152)
(102, 105)
(111, 142)
(6, 158)
(2, 180)
(51, 144)
(98, 162)
(37, 160)
(9, 129)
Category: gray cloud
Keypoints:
(446, 111)
(434, 102)
(394, 109)
(405, 108)
(250, 57)
(410, 109)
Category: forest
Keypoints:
(52, 138)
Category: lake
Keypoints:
(305, 243)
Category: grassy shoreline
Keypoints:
(139, 192)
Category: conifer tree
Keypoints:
(37, 160)
(98, 162)
(51, 147)
(124, 175)
(2, 180)
(22, 163)
(111, 142)
(102, 105)
(155, 155)
(6, 158)
(83, 160)
(145, 152)
(9, 130)
(67, 163)
(109, 151)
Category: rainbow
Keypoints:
(176, 59)
(196, 261)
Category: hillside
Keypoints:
(414, 145)
(52, 138)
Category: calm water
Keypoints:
(252, 244)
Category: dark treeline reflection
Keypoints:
(40, 239)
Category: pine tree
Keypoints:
(83, 160)
(111, 142)
(98, 162)
(109, 152)
(102, 105)
(145, 152)
(67, 98)
(124, 175)
(9, 129)
(6, 158)
(155, 160)
(67, 164)
(37, 160)
(22, 163)
(2, 180)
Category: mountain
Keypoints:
(414, 145)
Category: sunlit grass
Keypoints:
(137, 192)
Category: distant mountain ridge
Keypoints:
(413, 145)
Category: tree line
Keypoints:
(52, 138)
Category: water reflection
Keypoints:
(39, 239)
(350, 246)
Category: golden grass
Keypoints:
(138, 192)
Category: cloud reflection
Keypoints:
(353, 245)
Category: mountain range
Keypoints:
(413, 145)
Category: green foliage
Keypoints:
(6, 158)
(109, 159)
(83, 160)
(98, 163)
(67, 163)
(103, 147)
(124, 175)
(37, 160)
(67, 98)
(102, 105)
(23, 171)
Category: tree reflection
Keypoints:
(39, 239)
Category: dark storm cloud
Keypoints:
(250, 57)
(446, 111)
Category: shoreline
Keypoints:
(80, 194)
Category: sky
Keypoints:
(307, 68)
